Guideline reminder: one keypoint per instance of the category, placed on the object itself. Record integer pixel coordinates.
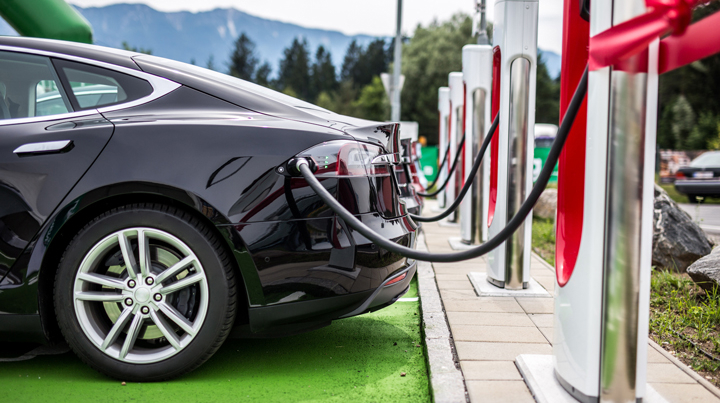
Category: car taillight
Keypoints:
(346, 159)
(396, 279)
(679, 175)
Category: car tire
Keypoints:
(145, 316)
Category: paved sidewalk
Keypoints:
(490, 332)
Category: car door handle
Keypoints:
(45, 147)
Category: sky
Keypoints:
(373, 17)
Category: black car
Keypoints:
(701, 178)
(145, 224)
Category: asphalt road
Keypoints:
(707, 215)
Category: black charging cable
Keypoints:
(452, 169)
(468, 181)
(303, 167)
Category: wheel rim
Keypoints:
(155, 282)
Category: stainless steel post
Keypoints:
(395, 101)
(621, 288)
(517, 168)
(479, 100)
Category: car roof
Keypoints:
(100, 53)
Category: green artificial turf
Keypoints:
(358, 359)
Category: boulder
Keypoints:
(677, 240)
(706, 271)
(546, 204)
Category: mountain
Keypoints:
(187, 36)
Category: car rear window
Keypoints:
(711, 159)
(92, 87)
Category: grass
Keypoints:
(543, 239)
(358, 359)
(685, 321)
(681, 198)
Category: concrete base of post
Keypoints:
(539, 375)
(485, 289)
(456, 243)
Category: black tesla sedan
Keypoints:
(146, 211)
(701, 178)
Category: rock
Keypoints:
(546, 204)
(677, 240)
(706, 271)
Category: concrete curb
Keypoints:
(446, 380)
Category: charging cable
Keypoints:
(302, 166)
(452, 169)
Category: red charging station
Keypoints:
(605, 187)
(513, 98)
(477, 73)
(443, 115)
(456, 126)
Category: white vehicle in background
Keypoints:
(51, 103)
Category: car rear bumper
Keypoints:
(698, 187)
(304, 272)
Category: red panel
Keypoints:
(702, 39)
(495, 142)
(571, 172)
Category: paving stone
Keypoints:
(489, 319)
(666, 373)
(448, 295)
(548, 282)
(490, 371)
(548, 333)
(684, 393)
(507, 334)
(453, 277)
(454, 285)
(455, 270)
(488, 351)
(484, 304)
(542, 319)
(537, 305)
(499, 392)
(655, 356)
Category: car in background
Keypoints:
(701, 178)
(51, 103)
(147, 210)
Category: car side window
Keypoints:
(29, 87)
(92, 87)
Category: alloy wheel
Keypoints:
(140, 295)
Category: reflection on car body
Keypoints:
(147, 212)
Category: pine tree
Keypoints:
(242, 59)
(262, 75)
(350, 66)
(295, 69)
(324, 78)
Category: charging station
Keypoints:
(443, 122)
(513, 97)
(605, 206)
(477, 73)
(456, 128)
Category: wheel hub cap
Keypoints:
(142, 295)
